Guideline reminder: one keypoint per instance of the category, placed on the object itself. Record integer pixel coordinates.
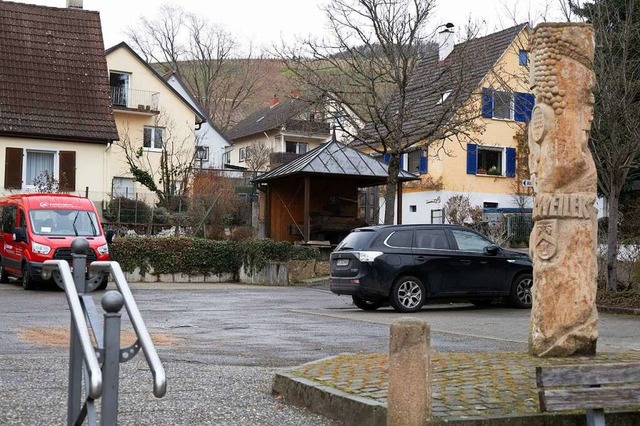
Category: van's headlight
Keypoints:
(40, 248)
(103, 249)
(366, 256)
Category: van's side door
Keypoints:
(11, 258)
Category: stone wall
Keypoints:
(293, 272)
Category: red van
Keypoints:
(39, 227)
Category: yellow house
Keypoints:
(154, 122)
(486, 164)
(56, 123)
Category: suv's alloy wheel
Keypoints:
(520, 296)
(408, 294)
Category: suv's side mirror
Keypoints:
(109, 234)
(491, 250)
(19, 235)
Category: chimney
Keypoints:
(74, 4)
(273, 100)
(445, 45)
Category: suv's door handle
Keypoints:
(465, 262)
(421, 258)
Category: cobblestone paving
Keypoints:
(463, 384)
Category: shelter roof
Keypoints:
(336, 159)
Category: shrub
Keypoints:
(199, 256)
(176, 254)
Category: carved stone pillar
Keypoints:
(564, 318)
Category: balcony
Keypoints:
(135, 101)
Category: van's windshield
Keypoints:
(64, 222)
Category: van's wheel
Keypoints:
(103, 283)
(408, 294)
(27, 280)
(520, 296)
(366, 305)
(4, 277)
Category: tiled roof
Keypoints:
(53, 74)
(462, 72)
(334, 158)
(272, 117)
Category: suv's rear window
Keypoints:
(357, 240)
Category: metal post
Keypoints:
(112, 303)
(79, 248)
(75, 376)
(86, 192)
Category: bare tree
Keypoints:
(258, 156)
(615, 131)
(206, 57)
(165, 173)
(364, 70)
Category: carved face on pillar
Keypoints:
(559, 130)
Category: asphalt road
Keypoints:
(228, 340)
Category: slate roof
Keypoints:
(53, 75)
(462, 72)
(335, 158)
(272, 117)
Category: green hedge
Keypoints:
(199, 256)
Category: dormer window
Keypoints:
(444, 97)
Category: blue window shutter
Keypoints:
(511, 162)
(523, 58)
(401, 162)
(523, 104)
(424, 163)
(386, 158)
(472, 158)
(487, 102)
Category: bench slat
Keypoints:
(577, 399)
(585, 375)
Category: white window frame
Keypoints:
(114, 193)
(241, 155)
(153, 139)
(298, 145)
(127, 86)
(503, 159)
(56, 161)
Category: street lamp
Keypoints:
(201, 154)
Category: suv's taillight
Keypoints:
(366, 256)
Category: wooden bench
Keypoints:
(589, 387)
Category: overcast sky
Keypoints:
(267, 22)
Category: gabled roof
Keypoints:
(124, 45)
(53, 75)
(462, 71)
(337, 159)
(194, 101)
(276, 116)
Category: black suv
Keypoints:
(405, 265)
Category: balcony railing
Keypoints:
(143, 100)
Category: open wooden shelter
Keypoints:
(315, 197)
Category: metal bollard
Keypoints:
(79, 250)
(112, 303)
